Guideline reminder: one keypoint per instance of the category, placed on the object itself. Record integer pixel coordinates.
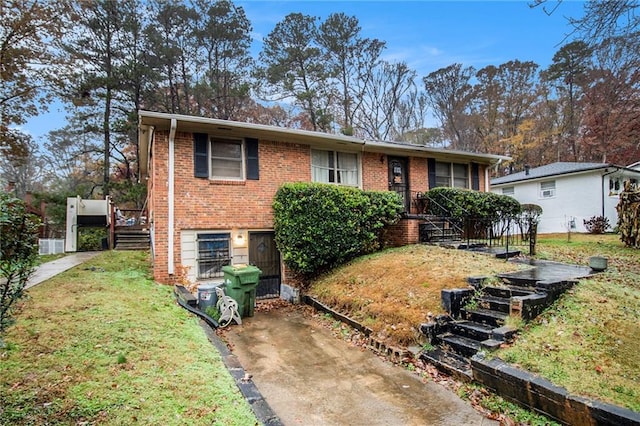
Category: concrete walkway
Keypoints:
(309, 377)
(51, 269)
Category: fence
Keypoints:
(505, 232)
(50, 246)
(475, 232)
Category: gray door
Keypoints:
(264, 254)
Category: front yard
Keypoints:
(103, 344)
(587, 342)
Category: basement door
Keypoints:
(398, 179)
(264, 254)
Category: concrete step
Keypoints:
(484, 316)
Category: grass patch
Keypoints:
(588, 341)
(44, 258)
(393, 291)
(110, 346)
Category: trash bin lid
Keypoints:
(209, 286)
(241, 269)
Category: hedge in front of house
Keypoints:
(320, 226)
(460, 203)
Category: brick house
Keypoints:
(211, 184)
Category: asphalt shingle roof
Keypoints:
(552, 169)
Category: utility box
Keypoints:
(240, 282)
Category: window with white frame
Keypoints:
(614, 185)
(452, 175)
(213, 253)
(334, 167)
(508, 190)
(548, 189)
(227, 159)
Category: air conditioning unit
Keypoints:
(547, 193)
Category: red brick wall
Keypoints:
(206, 204)
(403, 233)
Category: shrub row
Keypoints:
(460, 203)
(320, 226)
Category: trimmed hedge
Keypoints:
(460, 203)
(320, 226)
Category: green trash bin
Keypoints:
(240, 282)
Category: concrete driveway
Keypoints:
(310, 377)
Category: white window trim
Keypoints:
(196, 239)
(549, 192)
(509, 190)
(335, 168)
(243, 165)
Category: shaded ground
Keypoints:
(308, 376)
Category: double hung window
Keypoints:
(334, 167)
(452, 175)
(548, 189)
(227, 159)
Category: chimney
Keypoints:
(11, 187)
(28, 198)
(526, 169)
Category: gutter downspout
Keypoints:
(171, 195)
(486, 175)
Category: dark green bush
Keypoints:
(321, 226)
(460, 203)
(90, 239)
(18, 254)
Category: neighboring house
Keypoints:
(568, 193)
(211, 185)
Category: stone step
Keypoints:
(494, 303)
(459, 344)
(507, 291)
(449, 362)
(472, 330)
(484, 316)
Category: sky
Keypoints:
(427, 35)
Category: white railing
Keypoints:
(50, 246)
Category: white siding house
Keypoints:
(569, 193)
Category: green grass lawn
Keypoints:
(588, 342)
(110, 346)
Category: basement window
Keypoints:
(213, 254)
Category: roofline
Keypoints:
(147, 119)
(574, 172)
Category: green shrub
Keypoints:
(18, 254)
(320, 226)
(460, 203)
(90, 239)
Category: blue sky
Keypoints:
(427, 35)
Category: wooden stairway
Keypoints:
(135, 237)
